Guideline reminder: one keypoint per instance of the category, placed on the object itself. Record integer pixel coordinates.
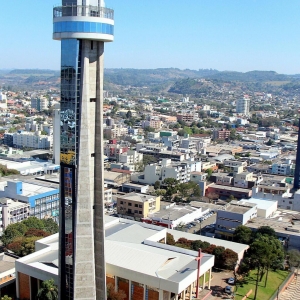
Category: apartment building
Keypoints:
(40, 104)
(130, 157)
(115, 131)
(243, 105)
(156, 124)
(35, 140)
(180, 171)
(187, 117)
(137, 205)
(12, 212)
(42, 198)
(221, 134)
(287, 168)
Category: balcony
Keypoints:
(82, 11)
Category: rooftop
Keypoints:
(137, 197)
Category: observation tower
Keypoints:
(82, 26)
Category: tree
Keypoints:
(209, 172)
(114, 295)
(33, 222)
(23, 246)
(50, 225)
(6, 298)
(294, 257)
(12, 231)
(157, 184)
(129, 114)
(270, 142)
(229, 259)
(149, 159)
(48, 291)
(242, 234)
(170, 239)
(266, 230)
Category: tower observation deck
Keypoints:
(82, 26)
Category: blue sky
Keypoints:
(237, 35)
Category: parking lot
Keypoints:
(204, 223)
(218, 284)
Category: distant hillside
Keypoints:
(32, 72)
(148, 77)
(249, 76)
(161, 80)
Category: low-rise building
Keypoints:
(137, 205)
(138, 261)
(235, 213)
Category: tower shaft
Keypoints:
(82, 29)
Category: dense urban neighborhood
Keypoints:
(193, 159)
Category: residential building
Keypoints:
(34, 140)
(137, 205)
(156, 124)
(12, 212)
(180, 171)
(82, 27)
(286, 168)
(187, 117)
(131, 157)
(243, 105)
(221, 134)
(115, 131)
(42, 198)
(40, 104)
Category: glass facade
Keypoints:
(80, 26)
(70, 110)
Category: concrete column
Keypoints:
(99, 177)
(129, 292)
(176, 297)
(116, 283)
(203, 280)
(160, 295)
(209, 280)
(31, 296)
(144, 293)
(183, 294)
(18, 287)
(191, 292)
(84, 268)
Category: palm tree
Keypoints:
(48, 291)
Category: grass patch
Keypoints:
(247, 283)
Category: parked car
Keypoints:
(227, 289)
(230, 280)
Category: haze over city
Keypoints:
(224, 35)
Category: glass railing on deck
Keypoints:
(82, 11)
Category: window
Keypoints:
(129, 204)
(140, 212)
(135, 205)
(135, 211)
(140, 206)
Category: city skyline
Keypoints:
(236, 35)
